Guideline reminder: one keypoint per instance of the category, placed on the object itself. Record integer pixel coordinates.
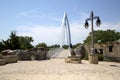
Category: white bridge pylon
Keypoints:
(66, 34)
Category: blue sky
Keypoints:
(42, 19)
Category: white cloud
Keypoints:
(50, 35)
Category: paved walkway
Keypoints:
(64, 54)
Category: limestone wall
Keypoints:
(113, 52)
(36, 54)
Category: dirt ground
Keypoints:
(57, 69)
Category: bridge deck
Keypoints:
(63, 54)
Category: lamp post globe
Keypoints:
(98, 22)
(86, 24)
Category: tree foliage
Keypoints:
(41, 45)
(25, 42)
(103, 36)
(65, 46)
(16, 42)
(54, 46)
(76, 45)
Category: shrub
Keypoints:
(0, 55)
(86, 57)
(100, 57)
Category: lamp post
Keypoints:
(86, 25)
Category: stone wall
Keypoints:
(8, 56)
(12, 56)
(109, 50)
(112, 51)
(35, 54)
(23, 54)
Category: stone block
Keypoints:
(2, 62)
(73, 59)
(93, 59)
(24, 55)
(11, 58)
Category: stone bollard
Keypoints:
(93, 59)
(73, 59)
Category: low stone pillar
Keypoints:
(93, 58)
(73, 59)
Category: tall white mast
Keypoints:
(66, 30)
(66, 35)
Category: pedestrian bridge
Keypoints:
(66, 39)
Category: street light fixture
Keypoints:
(86, 25)
(98, 22)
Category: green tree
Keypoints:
(16, 42)
(76, 45)
(54, 46)
(1, 46)
(103, 36)
(12, 42)
(65, 46)
(42, 45)
(6, 44)
(25, 42)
